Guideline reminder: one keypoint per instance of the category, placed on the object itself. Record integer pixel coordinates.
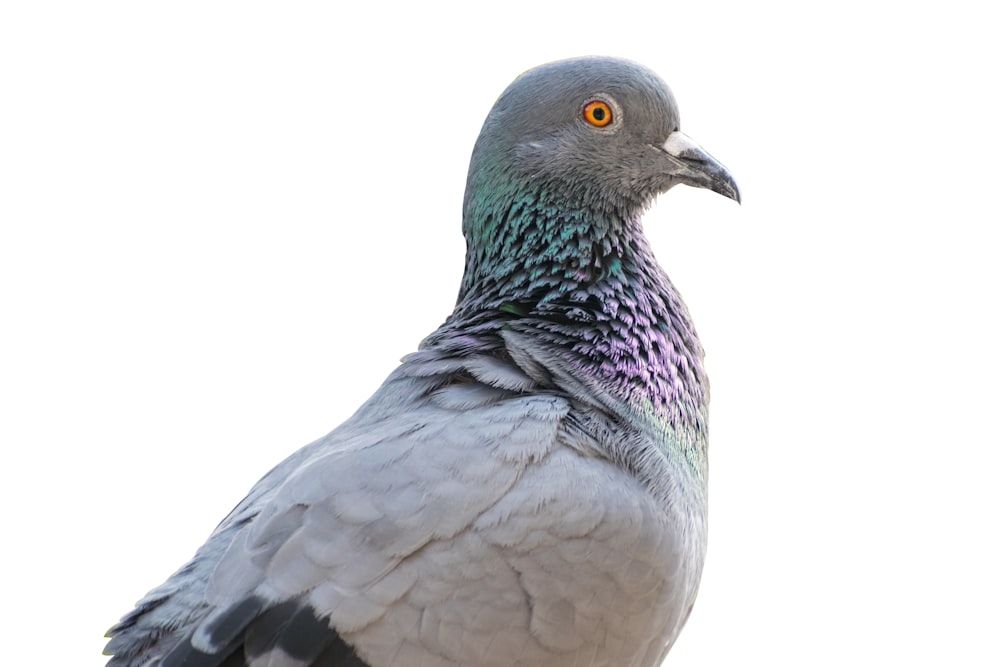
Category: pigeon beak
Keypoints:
(691, 165)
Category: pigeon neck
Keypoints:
(531, 246)
(587, 282)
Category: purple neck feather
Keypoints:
(587, 285)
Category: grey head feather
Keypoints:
(536, 132)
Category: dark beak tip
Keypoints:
(728, 188)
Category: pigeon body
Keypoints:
(529, 487)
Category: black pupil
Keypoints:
(598, 114)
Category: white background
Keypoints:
(223, 223)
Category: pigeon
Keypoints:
(527, 488)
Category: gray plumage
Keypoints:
(529, 487)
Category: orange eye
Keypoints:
(597, 113)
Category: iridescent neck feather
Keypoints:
(586, 281)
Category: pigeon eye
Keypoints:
(597, 113)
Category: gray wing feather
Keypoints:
(455, 519)
(329, 526)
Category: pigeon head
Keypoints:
(567, 160)
(598, 133)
